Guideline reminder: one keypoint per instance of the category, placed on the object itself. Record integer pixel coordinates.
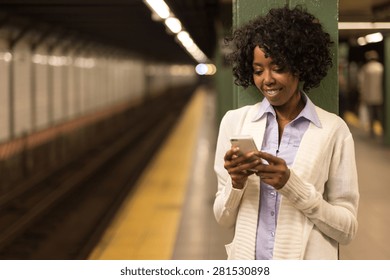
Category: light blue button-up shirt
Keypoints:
(287, 149)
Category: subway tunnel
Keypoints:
(108, 129)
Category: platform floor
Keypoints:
(169, 215)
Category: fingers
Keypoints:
(234, 157)
(230, 153)
(272, 170)
(238, 166)
(242, 165)
(277, 180)
(271, 159)
(276, 173)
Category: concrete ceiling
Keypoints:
(127, 24)
(362, 10)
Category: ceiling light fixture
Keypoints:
(173, 24)
(161, 9)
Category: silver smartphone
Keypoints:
(244, 142)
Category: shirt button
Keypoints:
(272, 233)
(273, 193)
(272, 213)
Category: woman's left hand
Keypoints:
(275, 173)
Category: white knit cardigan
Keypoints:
(318, 208)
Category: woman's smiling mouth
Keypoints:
(271, 91)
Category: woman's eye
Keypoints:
(257, 72)
(279, 69)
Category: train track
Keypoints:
(64, 215)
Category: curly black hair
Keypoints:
(293, 38)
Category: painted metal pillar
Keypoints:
(386, 109)
(326, 95)
(224, 76)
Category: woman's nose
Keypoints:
(268, 78)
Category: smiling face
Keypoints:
(276, 83)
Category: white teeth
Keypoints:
(271, 92)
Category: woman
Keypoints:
(296, 198)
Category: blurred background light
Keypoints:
(159, 7)
(374, 37)
(370, 38)
(205, 69)
(6, 56)
(173, 24)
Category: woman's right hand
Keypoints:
(239, 166)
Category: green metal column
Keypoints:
(386, 108)
(223, 76)
(326, 95)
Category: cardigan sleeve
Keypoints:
(334, 211)
(228, 199)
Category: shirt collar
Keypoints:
(309, 111)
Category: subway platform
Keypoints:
(169, 214)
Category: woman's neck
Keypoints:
(290, 111)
